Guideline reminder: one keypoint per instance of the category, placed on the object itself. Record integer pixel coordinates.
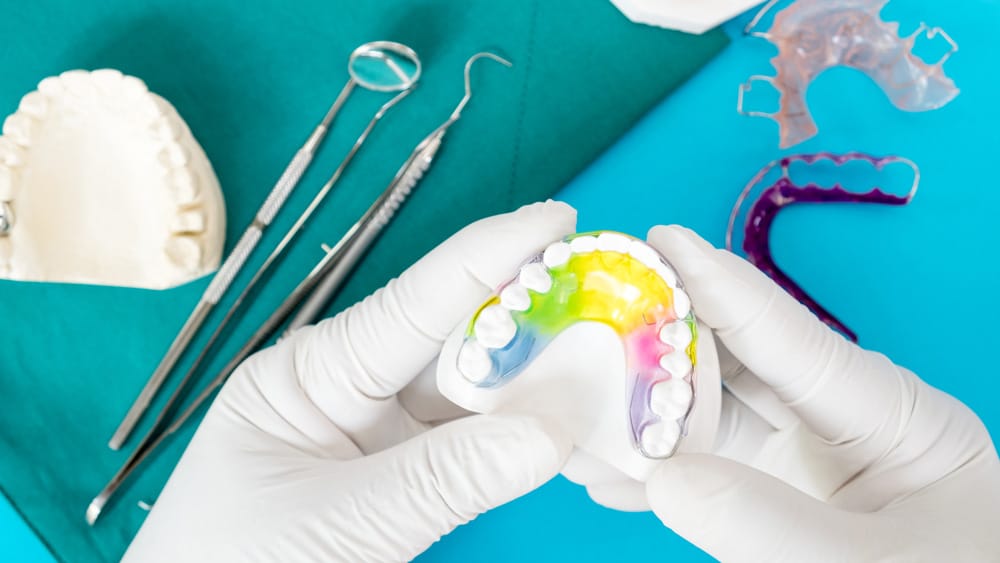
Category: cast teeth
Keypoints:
(671, 399)
(34, 104)
(184, 251)
(18, 128)
(52, 87)
(11, 154)
(107, 80)
(193, 237)
(183, 186)
(78, 83)
(174, 155)
(474, 361)
(134, 88)
(557, 254)
(7, 181)
(188, 222)
(494, 327)
(168, 130)
(515, 297)
(659, 439)
(535, 277)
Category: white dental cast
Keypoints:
(107, 186)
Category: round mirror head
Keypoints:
(385, 66)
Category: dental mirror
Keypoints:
(384, 66)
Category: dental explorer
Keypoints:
(364, 232)
(332, 270)
(272, 204)
(163, 418)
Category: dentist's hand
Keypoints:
(308, 455)
(827, 452)
(896, 469)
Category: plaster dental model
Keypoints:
(595, 334)
(815, 35)
(101, 182)
(683, 15)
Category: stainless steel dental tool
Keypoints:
(325, 278)
(388, 55)
(341, 259)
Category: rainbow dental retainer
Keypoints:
(596, 334)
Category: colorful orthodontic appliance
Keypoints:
(597, 335)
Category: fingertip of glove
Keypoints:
(557, 214)
(552, 442)
(677, 241)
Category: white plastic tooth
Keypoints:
(643, 253)
(676, 363)
(494, 327)
(107, 80)
(7, 181)
(78, 83)
(671, 399)
(515, 297)
(184, 251)
(677, 335)
(191, 221)
(167, 129)
(52, 87)
(583, 244)
(474, 361)
(183, 186)
(682, 303)
(666, 273)
(132, 87)
(34, 104)
(11, 154)
(660, 438)
(535, 277)
(613, 242)
(18, 128)
(556, 254)
(174, 155)
(146, 110)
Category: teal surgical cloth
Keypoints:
(251, 79)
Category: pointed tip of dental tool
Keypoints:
(489, 55)
(96, 507)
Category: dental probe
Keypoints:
(369, 227)
(151, 439)
(251, 236)
(335, 266)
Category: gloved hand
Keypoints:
(308, 455)
(827, 452)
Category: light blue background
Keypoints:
(917, 283)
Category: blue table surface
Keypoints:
(888, 272)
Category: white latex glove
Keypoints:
(827, 452)
(308, 455)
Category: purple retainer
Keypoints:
(781, 194)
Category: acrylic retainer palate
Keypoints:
(815, 35)
(763, 209)
(612, 279)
